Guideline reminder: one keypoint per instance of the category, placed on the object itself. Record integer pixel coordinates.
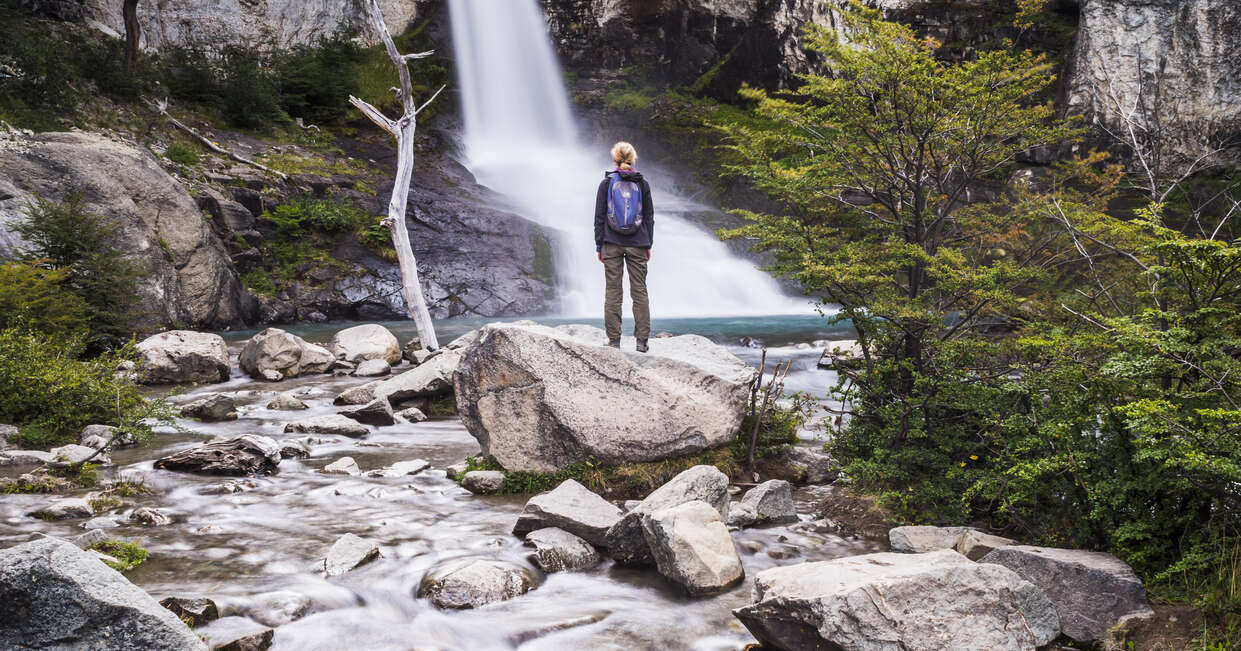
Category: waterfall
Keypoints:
(521, 141)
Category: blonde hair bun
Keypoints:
(624, 155)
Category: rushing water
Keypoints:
(235, 547)
(521, 141)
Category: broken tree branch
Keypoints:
(162, 107)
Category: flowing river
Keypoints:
(272, 537)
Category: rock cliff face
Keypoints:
(179, 22)
(729, 41)
(189, 278)
(1175, 60)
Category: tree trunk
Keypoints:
(133, 34)
(403, 130)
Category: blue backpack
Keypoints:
(624, 204)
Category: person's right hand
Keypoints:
(599, 254)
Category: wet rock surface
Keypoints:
(348, 553)
(329, 424)
(692, 548)
(557, 550)
(211, 409)
(571, 507)
(274, 355)
(367, 342)
(474, 583)
(918, 539)
(242, 455)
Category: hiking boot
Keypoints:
(642, 346)
(615, 343)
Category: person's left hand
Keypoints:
(648, 254)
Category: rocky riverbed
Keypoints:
(256, 545)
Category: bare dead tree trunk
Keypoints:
(403, 130)
(133, 34)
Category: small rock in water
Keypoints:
(976, 544)
(242, 455)
(922, 539)
(65, 509)
(277, 608)
(99, 437)
(74, 454)
(400, 469)
(373, 368)
(287, 402)
(237, 634)
(741, 515)
(474, 583)
(456, 470)
(214, 408)
(413, 415)
(294, 449)
(557, 550)
(101, 522)
(328, 424)
(195, 611)
(572, 507)
(88, 539)
(231, 487)
(376, 412)
(483, 482)
(348, 553)
(342, 466)
(149, 516)
(771, 501)
(365, 342)
(692, 547)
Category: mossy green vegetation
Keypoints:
(304, 231)
(183, 154)
(127, 555)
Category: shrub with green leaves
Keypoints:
(128, 555)
(81, 248)
(50, 392)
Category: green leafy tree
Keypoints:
(878, 166)
(81, 247)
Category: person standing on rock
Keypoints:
(624, 233)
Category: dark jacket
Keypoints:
(642, 238)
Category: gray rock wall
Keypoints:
(178, 22)
(1184, 55)
(189, 281)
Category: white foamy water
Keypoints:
(521, 141)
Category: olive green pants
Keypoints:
(615, 260)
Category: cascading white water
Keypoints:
(521, 141)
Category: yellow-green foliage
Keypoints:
(620, 481)
(291, 164)
(629, 100)
(128, 555)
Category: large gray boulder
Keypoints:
(571, 507)
(626, 542)
(771, 502)
(274, 354)
(473, 583)
(188, 279)
(248, 454)
(1091, 590)
(365, 342)
(889, 601)
(692, 547)
(54, 595)
(538, 399)
(182, 356)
